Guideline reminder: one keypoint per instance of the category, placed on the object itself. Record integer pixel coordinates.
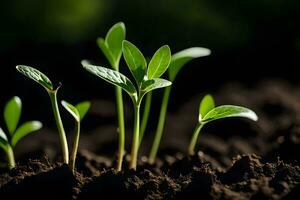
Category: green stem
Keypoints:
(135, 139)
(75, 148)
(10, 157)
(145, 116)
(120, 112)
(191, 150)
(60, 127)
(160, 126)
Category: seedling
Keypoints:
(12, 113)
(44, 81)
(78, 112)
(177, 62)
(146, 78)
(208, 112)
(111, 47)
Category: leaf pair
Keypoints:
(208, 112)
(78, 111)
(146, 79)
(111, 46)
(12, 113)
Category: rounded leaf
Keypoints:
(83, 108)
(12, 113)
(159, 62)
(24, 130)
(181, 58)
(226, 111)
(206, 105)
(111, 76)
(71, 109)
(135, 61)
(3, 140)
(35, 75)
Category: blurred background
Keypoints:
(250, 40)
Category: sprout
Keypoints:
(111, 47)
(43, 80)
(177, 62)
(208, 112)
(12, 113)
(78, 112)
(146, 78)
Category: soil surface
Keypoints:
(237, 159)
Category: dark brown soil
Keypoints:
(238, 159)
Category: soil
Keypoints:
(237, 159)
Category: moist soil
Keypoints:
(237, 159)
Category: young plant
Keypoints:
(78, 112)
(44, 81)
(177, 62)
(208, 112)
(111, 47)
(146, 78)
(12, 113)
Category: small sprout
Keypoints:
(208, 112)
(12, 113)
(178, 60)
(43, 80)
(111, 47)
(147, 79)
(78, 112)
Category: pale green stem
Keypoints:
(120, 113)
(60, 127)
(75, 148)
(135, 139)
(160, 126)
(10, 157)
(145, 116)
(191, 150)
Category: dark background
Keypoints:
(250, 41)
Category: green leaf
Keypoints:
(24, 130)
(35, 75)
(72, 110)
(135, 61)
(105, 49)
(153, 84)
(3, 140)
(111, 76)
(226, 111)
(83, 108)
(112, 45)
(12, 113)
(206, 105)
(181, 58)
(159, 62)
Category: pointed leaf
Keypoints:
(181, 58)
(111, 76)
(35, 75)
(155, 83)
(226, 111)
(105, 49)
(3, 140)
(135, 61)
(72, 110)
(12, 113)
(24, 130)
(83, 108)
(159, 62)
(206, 105)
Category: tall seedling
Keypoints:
(146, 78)
(44, 81)
(177, 62)
(111, 47)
